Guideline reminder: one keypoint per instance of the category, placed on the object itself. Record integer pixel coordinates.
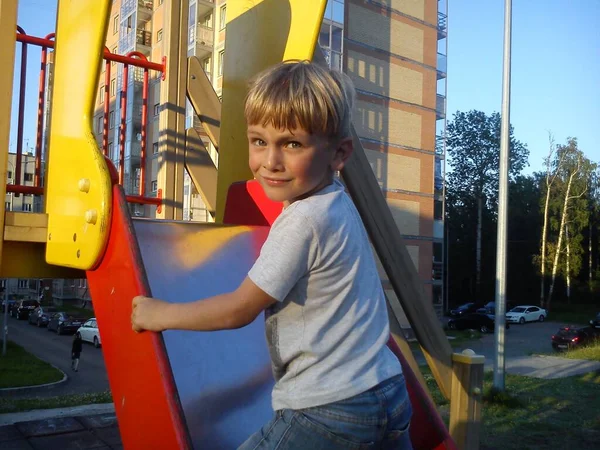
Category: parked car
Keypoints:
(595, 322)
(474, 321)
(490, 308)
(463, 309)
(11, 303)
(41, 315)
(63, 322)
(23, 308)
(522, 314)
(568, 338)
(90, 333)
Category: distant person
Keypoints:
(76, 351)
(338, 385)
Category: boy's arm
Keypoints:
(221, 312)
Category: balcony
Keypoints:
(204, 40)
(440, 143)
(442, 26)
(205, 6)
(442, 66)
(143, 40)
(440, 107)
(438, 229)
(144, 12)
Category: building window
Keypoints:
(28, 177)
(26, 207)
(101, 94)
(156, 109)
(154, 186)
(7, 206)
(155, 148)
(222, 19)
(111, 119)
(100, 124)
(221, 57)
(113, 87)
(9, 175)
(116, 24)
(114, 52)
(206, 65)
(159, 34)
(111, 150)
(24, 284)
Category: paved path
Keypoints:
(56, 350)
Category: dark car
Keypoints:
(463, 309)
(41, 315)
(473, 321)
(595, 322)
(11, 304)
(62, 323)
(490, 308)
(568, 338)
(23, 308)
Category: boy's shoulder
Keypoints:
(323, 209)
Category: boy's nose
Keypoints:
(272, 160)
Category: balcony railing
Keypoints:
(442, 25)
(204, 36)
(440, 106)
(440, 143)
(147, 4)
(442, 63)
(143, 37)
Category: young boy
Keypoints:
(338, 386)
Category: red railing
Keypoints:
(135, 59)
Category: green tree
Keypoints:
(473, 146)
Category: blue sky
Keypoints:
(555, 67)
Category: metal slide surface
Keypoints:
(223, 378)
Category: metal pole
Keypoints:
(5, 332)
(503, 206)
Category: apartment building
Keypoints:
(395, 52)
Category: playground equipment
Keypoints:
(195, 390)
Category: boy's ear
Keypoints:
(342, 153)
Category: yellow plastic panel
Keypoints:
(78, 195)
(260, 33)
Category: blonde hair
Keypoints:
(300, 94)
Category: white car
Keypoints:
(522, 314)
(90, 333)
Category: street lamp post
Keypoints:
(5, 328)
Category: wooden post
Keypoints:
(8, 36)
(465, 401)
(172, 116)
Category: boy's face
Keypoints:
(291, 164)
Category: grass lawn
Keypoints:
(572, 314)
(592, 353)
(12, 405)
(456, 338)
(20, 368)
(538, 414)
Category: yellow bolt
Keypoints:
(84, 185)
(91, 216)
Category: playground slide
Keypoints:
(223, 378)
(184, 390)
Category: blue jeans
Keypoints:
(376, 419)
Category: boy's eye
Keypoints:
(294, 144)
(259, 142)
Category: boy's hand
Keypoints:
(148, 314)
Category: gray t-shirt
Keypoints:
(327, 333)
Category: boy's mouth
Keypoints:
(274, 181)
